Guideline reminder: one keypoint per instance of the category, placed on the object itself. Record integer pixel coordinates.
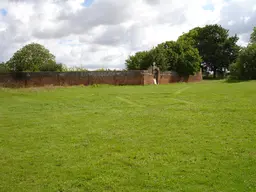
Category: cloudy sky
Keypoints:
(103, 33)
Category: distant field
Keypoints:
(167, 138)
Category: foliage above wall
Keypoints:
(245, 66)
(3, 67)
(253, 36)
(210, 45)
(170, 55)
(217, 49)
(33, 57)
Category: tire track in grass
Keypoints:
(129, 102)
(174, 99)
(178, 92)
(183, 101)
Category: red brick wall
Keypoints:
(37, 79)
(165, 78)
(172, 77)
(148, 78)
(196, 78)
(8, 80)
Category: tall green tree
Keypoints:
(253, 36)
(52, 66)
(216, 48)
(182, 57)
(170, 55)
(245, 67)
(190, 37)
(3, 67)
(32, 57)
(158, 55)
(139, 61)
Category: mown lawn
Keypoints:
(180, 137)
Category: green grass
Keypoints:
(180, 137)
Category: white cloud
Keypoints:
(106, 32)
(3, 3)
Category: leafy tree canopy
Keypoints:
(245, 67)
(3, 67)
(33, 57)
(182, 57)
(253, 36)
(139, 61)
(170, 55)
(216, 48)
(191, 37)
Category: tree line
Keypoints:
(31, 58)
(209, 48)
(34, 58)
(244, 68)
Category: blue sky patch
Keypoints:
(87, 3)
(209, 7)
(3, 12)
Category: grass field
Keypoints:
(168, 138)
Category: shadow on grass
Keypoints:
(212, 79)
(234, 81)
(226, 80)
